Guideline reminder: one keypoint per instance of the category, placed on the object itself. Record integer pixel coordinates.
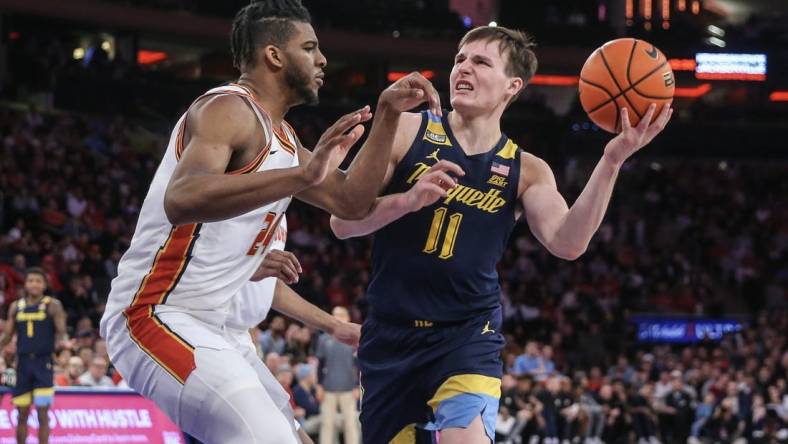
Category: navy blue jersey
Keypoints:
(439, 263)
(35, 328)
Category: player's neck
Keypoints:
(34, 299)
(268, 93)
(475, 133)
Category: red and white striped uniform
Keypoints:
(175, 284)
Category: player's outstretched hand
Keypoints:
(409, 92)
(334, 145)
(279, 264)
(631, 139)
(347, 333)
(433, 185)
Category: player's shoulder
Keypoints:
(232, 110)
(531, 162)
(53, 301)
(409, 124)
(534, 170)
(407, 129)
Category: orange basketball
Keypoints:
(627, 73)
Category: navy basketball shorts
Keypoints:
(34, 381)
(418, 376)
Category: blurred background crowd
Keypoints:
(697, 228)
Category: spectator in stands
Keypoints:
(340, 385)
(73, 371)
(273, 340)
(96, 376)
(306, 396)
(528, 362)
(284, 374)
(678, 411)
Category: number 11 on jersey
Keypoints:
(452, 228)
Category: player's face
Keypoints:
(35, 285)
(304, 65)
(478, 80)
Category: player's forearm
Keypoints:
(290, 303)
(4, 340)
(362, 181)
(215, 197)
(386, 210)
(584, 217)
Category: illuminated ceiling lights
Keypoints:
(554, 80)
(681, 5)
(393, 76)
(629, 10)
(779, 96)
(682, 64)
(696, 7)
(665, 14)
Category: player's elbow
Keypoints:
(568, 252)
(350, 209)
(177, 207)
(339, 228)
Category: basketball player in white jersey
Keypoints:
(226, 178)
(266, 290)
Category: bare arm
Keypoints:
(219, 127)
(351, 194)
(59, 318)
(290, 303)
(563, 231)
(566, 232)
(9, 328)
(432, 186)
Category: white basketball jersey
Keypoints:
(254, 300)
(197, 267)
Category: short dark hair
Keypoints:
(263, 23)
(36, 270)
(516, 44)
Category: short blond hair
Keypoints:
(516, 44)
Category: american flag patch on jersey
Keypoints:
(499, 169)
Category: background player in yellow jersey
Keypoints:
(37, 320)
(430, 348)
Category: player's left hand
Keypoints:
(347, 333)
(409, 92)
(280, 264)
(631, 139)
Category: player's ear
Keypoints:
(272, 56)
(515, 85)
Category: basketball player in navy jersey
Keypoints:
(37, 320)
(456, 185)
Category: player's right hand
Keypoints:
(409, 92)
(347, 333)
(433, 185)
(334, 145)
(279, 264)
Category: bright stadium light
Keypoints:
(716, 42)
(715, 31)
(726, 66)
(79, 53)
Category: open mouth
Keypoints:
(463, 85)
